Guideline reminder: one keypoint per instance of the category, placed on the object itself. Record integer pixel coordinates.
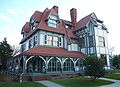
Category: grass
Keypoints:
(22, 84)
(113, 76)
(116, 71)
(81, 82)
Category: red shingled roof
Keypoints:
(42, 17)
(26, 27)
(52, 51)
(37, 16)
(82, 23)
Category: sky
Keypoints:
(15, 13)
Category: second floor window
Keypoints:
(48, 40)
(35, 41)
(101, 41)
(91, 41)
(23, 47)
(55, 41)
(30, 43)
(82, 40)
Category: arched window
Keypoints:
(79, 65)
(68, 65)
(54, 65)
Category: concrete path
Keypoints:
(49, 84)
(116, 84)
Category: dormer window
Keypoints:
(53, 21)
(68, 26)
(33, 23)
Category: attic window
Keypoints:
(68, 26)
(53, 21)
(33, 23)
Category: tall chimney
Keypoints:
(73, 14)
(56, 8)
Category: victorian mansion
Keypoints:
(54, 46)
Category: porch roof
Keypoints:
(53, 51)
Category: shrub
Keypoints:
(94, 67)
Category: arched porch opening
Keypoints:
(35, 65)
(54, 65)
(79, 65)
(68, 65)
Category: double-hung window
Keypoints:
(55, 41)
(35, 41)
(101, 41)
(48, 40)
(30, 43)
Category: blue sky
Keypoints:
(14, 14)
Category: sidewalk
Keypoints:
(49, 84)
(116, 84)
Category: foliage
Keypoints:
(116, 61)
(113, 76)
(94, 67)
(80, 82)
(5, 53)
(18, 84)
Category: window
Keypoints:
(30, 43)
(35, 41)
(101, 41)
(23, 47)
(55, 41)
(82, 42)
(52, 21)
(74, 41)
(91, 41)
(68, 26)
(60, 41)
(48, 40)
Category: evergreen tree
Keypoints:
(94, 67)
(116, 61)
(5, 53)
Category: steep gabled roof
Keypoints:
(52, 51)
(37, 16)
(82, 23)
(26, 28)
(41, 18)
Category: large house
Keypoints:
(53, 46)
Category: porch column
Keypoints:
(18, 65)
(24, 64)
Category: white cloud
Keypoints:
(5, 18)
(14, 11)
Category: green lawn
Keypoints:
(80, 82)
(22, 84)
(113, 76)
(116, 71)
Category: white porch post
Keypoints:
(24, 64)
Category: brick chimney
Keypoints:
(56, 8)
(73, 14)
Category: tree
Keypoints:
(116, 61)
(5, 52)
(94, 67)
